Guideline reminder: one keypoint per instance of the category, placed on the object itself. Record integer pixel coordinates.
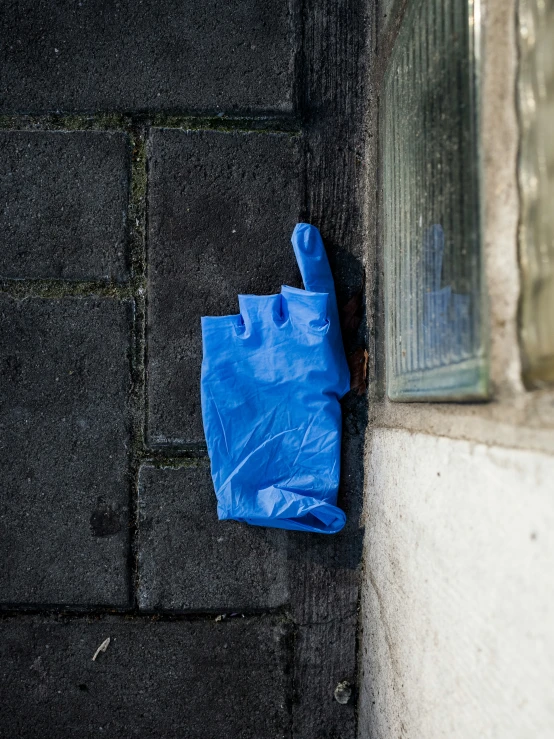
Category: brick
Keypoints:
(188, 560)
(222, 208)
(197, 679)
(155, 55)
(64, 440)
(325, 656)
(63, 204)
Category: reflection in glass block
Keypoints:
(536, 178)
(433, 281)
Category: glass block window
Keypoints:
(536, 179)
(435, 344)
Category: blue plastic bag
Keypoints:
(272, 378)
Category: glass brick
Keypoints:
(434, 306)
(536, 180)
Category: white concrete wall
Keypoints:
(458, 596)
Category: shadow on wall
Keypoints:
(343, 551)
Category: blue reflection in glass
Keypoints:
(446, 315)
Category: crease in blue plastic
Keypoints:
(272, 378)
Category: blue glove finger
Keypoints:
(312, 259)
(317, 277)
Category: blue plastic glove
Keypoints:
(271, 382)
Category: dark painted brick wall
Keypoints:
(154, 159)
(222, 207)
(156, 679)
(190, 561)
(164, 55)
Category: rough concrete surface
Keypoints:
(157, 55)
(198, 679)
(458, 616)
(188, 560)
(64, 439)
(500, 144)
(222, 208)
(63, 204)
